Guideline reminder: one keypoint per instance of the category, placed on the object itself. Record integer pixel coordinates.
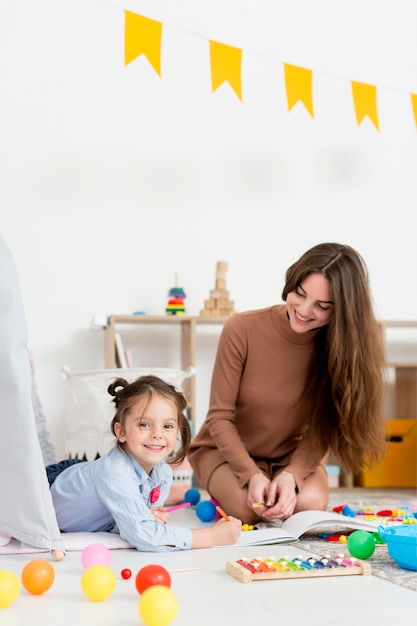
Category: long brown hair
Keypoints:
(125, 395)
(344, 392)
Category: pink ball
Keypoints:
(95, 554)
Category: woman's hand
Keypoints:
(160, 514)
(283, 494)
(259, 491)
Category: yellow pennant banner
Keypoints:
(298, 82)
(364, 100)
(143, 36)
(414, 105)
(226, 62)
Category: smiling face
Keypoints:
(150, 430)
(310, 305)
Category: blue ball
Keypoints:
(206, 511)
(192, 496)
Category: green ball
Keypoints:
(361, 544)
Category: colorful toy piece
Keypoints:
(38, 576)
(98, 582)
(361, 544)
(9, 588)
(404, 514)
(176, 302)
(158, 606)
(348, 511)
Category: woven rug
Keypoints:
(383, 566)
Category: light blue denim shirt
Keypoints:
(112, 494)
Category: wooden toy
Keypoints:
(218, 304)
(270, 569)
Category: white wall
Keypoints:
(113, 179)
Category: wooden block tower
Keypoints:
(218, 304)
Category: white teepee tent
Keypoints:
(26, 509)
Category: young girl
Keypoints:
(124, 490)
(290, 384)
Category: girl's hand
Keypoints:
(160, 514)
(282, 492)
(225, 533)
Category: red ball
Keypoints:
(151, 575)
(126, 573)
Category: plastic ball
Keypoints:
(361, 544)
(158, 606)
(126, 573)
(192, 496)
(95, 554)
(9, 588)
(38, 576)
(206, 511)
(98, 582)
(151, 575)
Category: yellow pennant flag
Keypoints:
(226, 64)
(298, 82)
(143, 36)
(414, 105)
(364, 100)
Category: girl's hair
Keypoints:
(125, 395)
(344, 390)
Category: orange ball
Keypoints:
(38, 576)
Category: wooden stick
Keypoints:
(183, 569)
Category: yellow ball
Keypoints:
(9, 588)
(158, 606)
(98, 582)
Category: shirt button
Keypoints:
(183, 544)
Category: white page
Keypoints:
(301, 522)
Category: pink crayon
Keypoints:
(178, 506)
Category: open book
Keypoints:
(300, 523)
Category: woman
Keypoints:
(291, 384)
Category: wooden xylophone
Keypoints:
(299, 567)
